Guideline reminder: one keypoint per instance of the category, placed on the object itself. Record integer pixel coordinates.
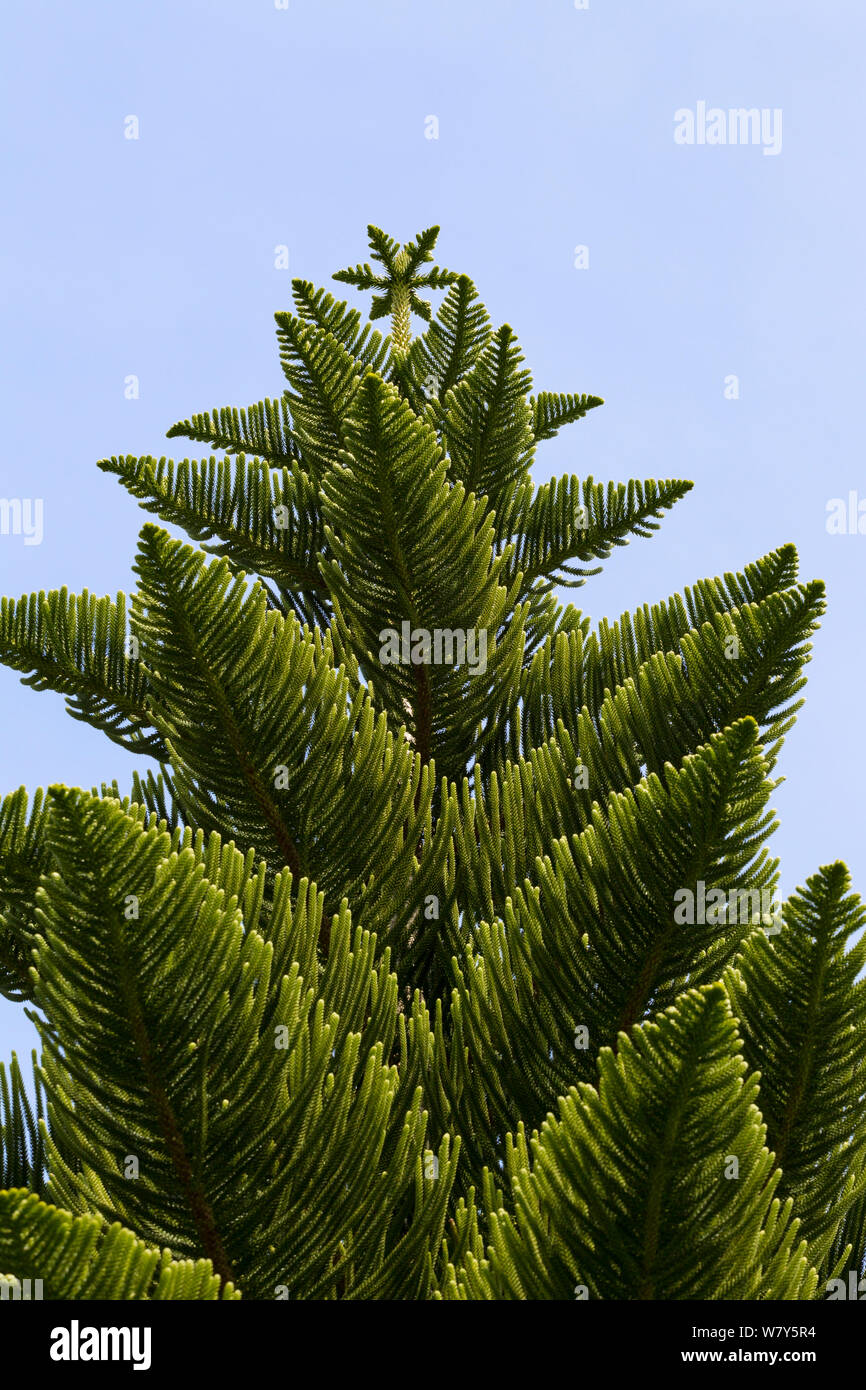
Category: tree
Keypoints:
(440, 958)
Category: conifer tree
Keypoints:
(429, 955)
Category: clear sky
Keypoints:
(261, 125)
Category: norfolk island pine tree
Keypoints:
(382, 987)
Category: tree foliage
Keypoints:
(375, 983)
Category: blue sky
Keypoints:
(261, 127)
